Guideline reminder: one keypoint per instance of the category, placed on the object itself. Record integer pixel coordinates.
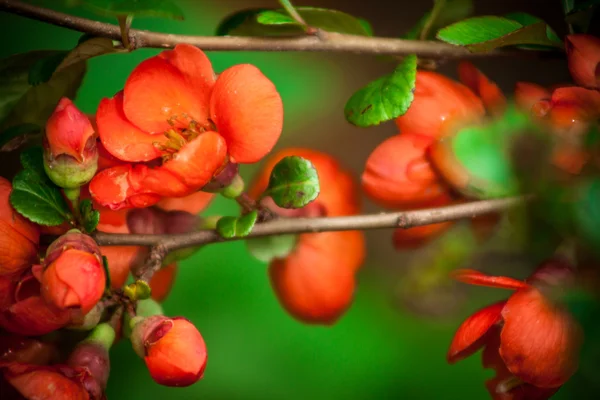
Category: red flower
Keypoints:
(23, 310)
(172, 348)
(18, 349)
(19, 238)
(49, 382)
(162, 282)
(173, 108)
(583, 55)
(490, 94)
(315, 282)
(73, 274)
(530, 341)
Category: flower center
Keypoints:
(178, 136)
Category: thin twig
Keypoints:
(406, 219)
(332, 42)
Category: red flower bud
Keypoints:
(18, 349)
(70, 156)
(172, 348)
(92, 357)
(583, 54)
(73, 275)
(19, 238)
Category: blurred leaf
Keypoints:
(43, 70)
(89, 217)
(32, 159)
(385, 98)
(574, 6)
(489, 32)
(138, 8)
(277, 23)
(269, 248)
(294, 183)
(452, 11)
(586, 210)
(23, 103)
(230, 227)
(568, 6)
(15, 136)
(108, 284)
(579, 14)
(526, 19)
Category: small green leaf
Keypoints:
(32, 159)
(138, 8)
(106, 273)
(279, 23)
(275, 18)
(451, 11)
(385, 98)
(230, 227)
(486, 33)
(294, 183)
(17, 135)
(38, 201)
(89, 217)
(269, 248)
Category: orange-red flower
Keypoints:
(583, 55)
(315, 282)
(173, 349)
(73, 274)
(24, 311)
(162, 282)
(531, 341)
(19, 238)
(173, 107)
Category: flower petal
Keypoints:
(113, 188)
(474, 277)
(527, 94)
(120, 137)
(540, 341)
(583, 55)
(417, 236)
(193, 203)
(157, 93)
(468, 338)
(197, 161)
(248, 112)
(7, 213)
(492, 97)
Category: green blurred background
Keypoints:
(385, 346)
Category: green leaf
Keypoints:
(528, 19)
(17, 135)
(23, 103)
(106, 273)
(32, 159)
(89, 217)
(138, 8)
(579, 14)
(486, 33)
(38, 201)
(279, 23)
(43, 70)
(451, 11)
(275, 18)
(230, 227)
(385, 98)
(294, 183)
(269, 248)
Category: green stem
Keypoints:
(125, 24)
(287, 5)
(435, 12)
(73, 196)
(103, 334)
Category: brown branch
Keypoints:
(405, 219)
(332, 42)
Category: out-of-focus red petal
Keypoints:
(540, 341)
(44, 383)
(586, 99)
(527, 94)
(33, 317)
(197, 70)
(162, 282)
(417, 236)
(196, 162)
(438, 104)
(248, 112)
(583, 55)
(114, 189)
(157, 95)
(399, 175)
(491, 95)
(468, 338)
(7, 213)
(193, 203)
(474, 277)
(6, 291)
(120, 137)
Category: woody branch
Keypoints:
(325, 42)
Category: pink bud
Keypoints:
(68, 131)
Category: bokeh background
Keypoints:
(387, 345)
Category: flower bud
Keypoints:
(583, 54)
(70, 152)
(172, 348)
(24, 350)
(19, 238)
(73, 274)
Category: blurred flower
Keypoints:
(583, 55)
(172, 348)
(490, 94)
(70, 153)
(529, 339)
(162, 282)
(19, 349)
(19, 238)
(73, 274)
(173, 108)
(315, 282)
